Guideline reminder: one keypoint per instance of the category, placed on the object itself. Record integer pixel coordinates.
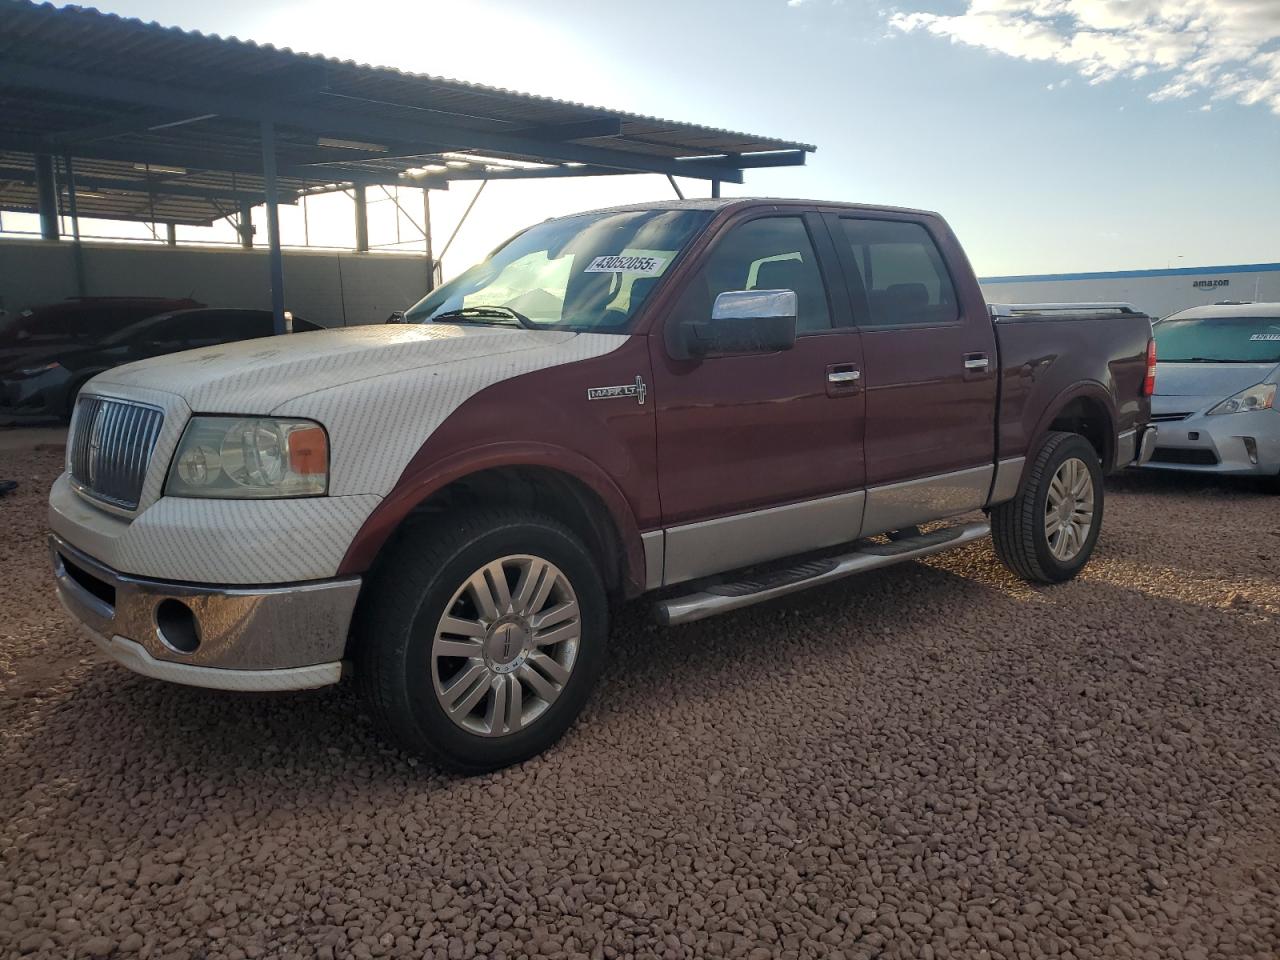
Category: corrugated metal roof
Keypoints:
(119, 91)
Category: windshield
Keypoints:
(588, 273)
(1219, 339)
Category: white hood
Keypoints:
(256, 376)
(379, 390)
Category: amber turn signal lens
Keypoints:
(308, 451)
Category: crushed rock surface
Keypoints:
(931, 761)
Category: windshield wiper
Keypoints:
(479, 315)
(1207, 360)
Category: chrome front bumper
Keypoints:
(229, 638)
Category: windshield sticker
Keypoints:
(640, 266)
(1265, 336)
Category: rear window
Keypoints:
(902, 273)
(1219, 340)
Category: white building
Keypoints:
(1156, 292)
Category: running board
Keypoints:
(723, 597)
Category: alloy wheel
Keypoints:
(1068, 509)
(506, 645)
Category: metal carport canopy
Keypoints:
(191, 125)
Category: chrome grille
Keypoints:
(111, 445)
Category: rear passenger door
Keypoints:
(929, 369)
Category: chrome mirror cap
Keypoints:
(754, 305)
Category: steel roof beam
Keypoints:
(203, 159)
(435, 180)
(90, 183)
(326, 122)
(101, 213)
(770, 158)
(137, 123)
(576, 130)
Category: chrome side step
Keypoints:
(723, 597)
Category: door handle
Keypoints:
(842, 379)
(975, 362)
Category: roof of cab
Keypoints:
(720, 203)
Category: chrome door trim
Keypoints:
(893, 506)
(1008, 477)
(725, 543)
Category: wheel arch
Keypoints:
(1088, 409)
(555, 481)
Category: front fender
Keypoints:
(420, 484)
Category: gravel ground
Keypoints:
(930, 761)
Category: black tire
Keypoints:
(396, 627)
(1018, 526)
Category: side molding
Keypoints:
(1008, 478)
(726, 543)
(897, 505)
(655, 544)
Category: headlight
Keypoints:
(1258, 397)
(250, 457)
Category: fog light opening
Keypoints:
(1251, 448)
(177, 627)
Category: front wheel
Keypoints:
(1047, 533)
(481, 637)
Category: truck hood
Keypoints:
(1216, 381)
(380, 391)
(257, 376)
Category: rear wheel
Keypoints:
(1047, 533)
(482, 636)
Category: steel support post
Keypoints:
(426, 236)
(362, 219)
(245, 226)
(77, 252)
(274, 256)
(47, 196)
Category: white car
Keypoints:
(1215, 395)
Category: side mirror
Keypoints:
(745, 321)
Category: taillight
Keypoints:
(1149, 382)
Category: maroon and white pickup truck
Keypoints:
(712, 402)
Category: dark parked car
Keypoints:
(78, 320)
(47, 381)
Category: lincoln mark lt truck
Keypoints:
(713, 403)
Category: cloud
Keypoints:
(1220, 49)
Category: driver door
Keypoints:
(760, 455)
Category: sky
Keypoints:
(1054, 135)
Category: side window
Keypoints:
(902, 272)
(248, 325)
(774, 253)
(187, 327)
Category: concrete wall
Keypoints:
(327, 287)
(1156, 292)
